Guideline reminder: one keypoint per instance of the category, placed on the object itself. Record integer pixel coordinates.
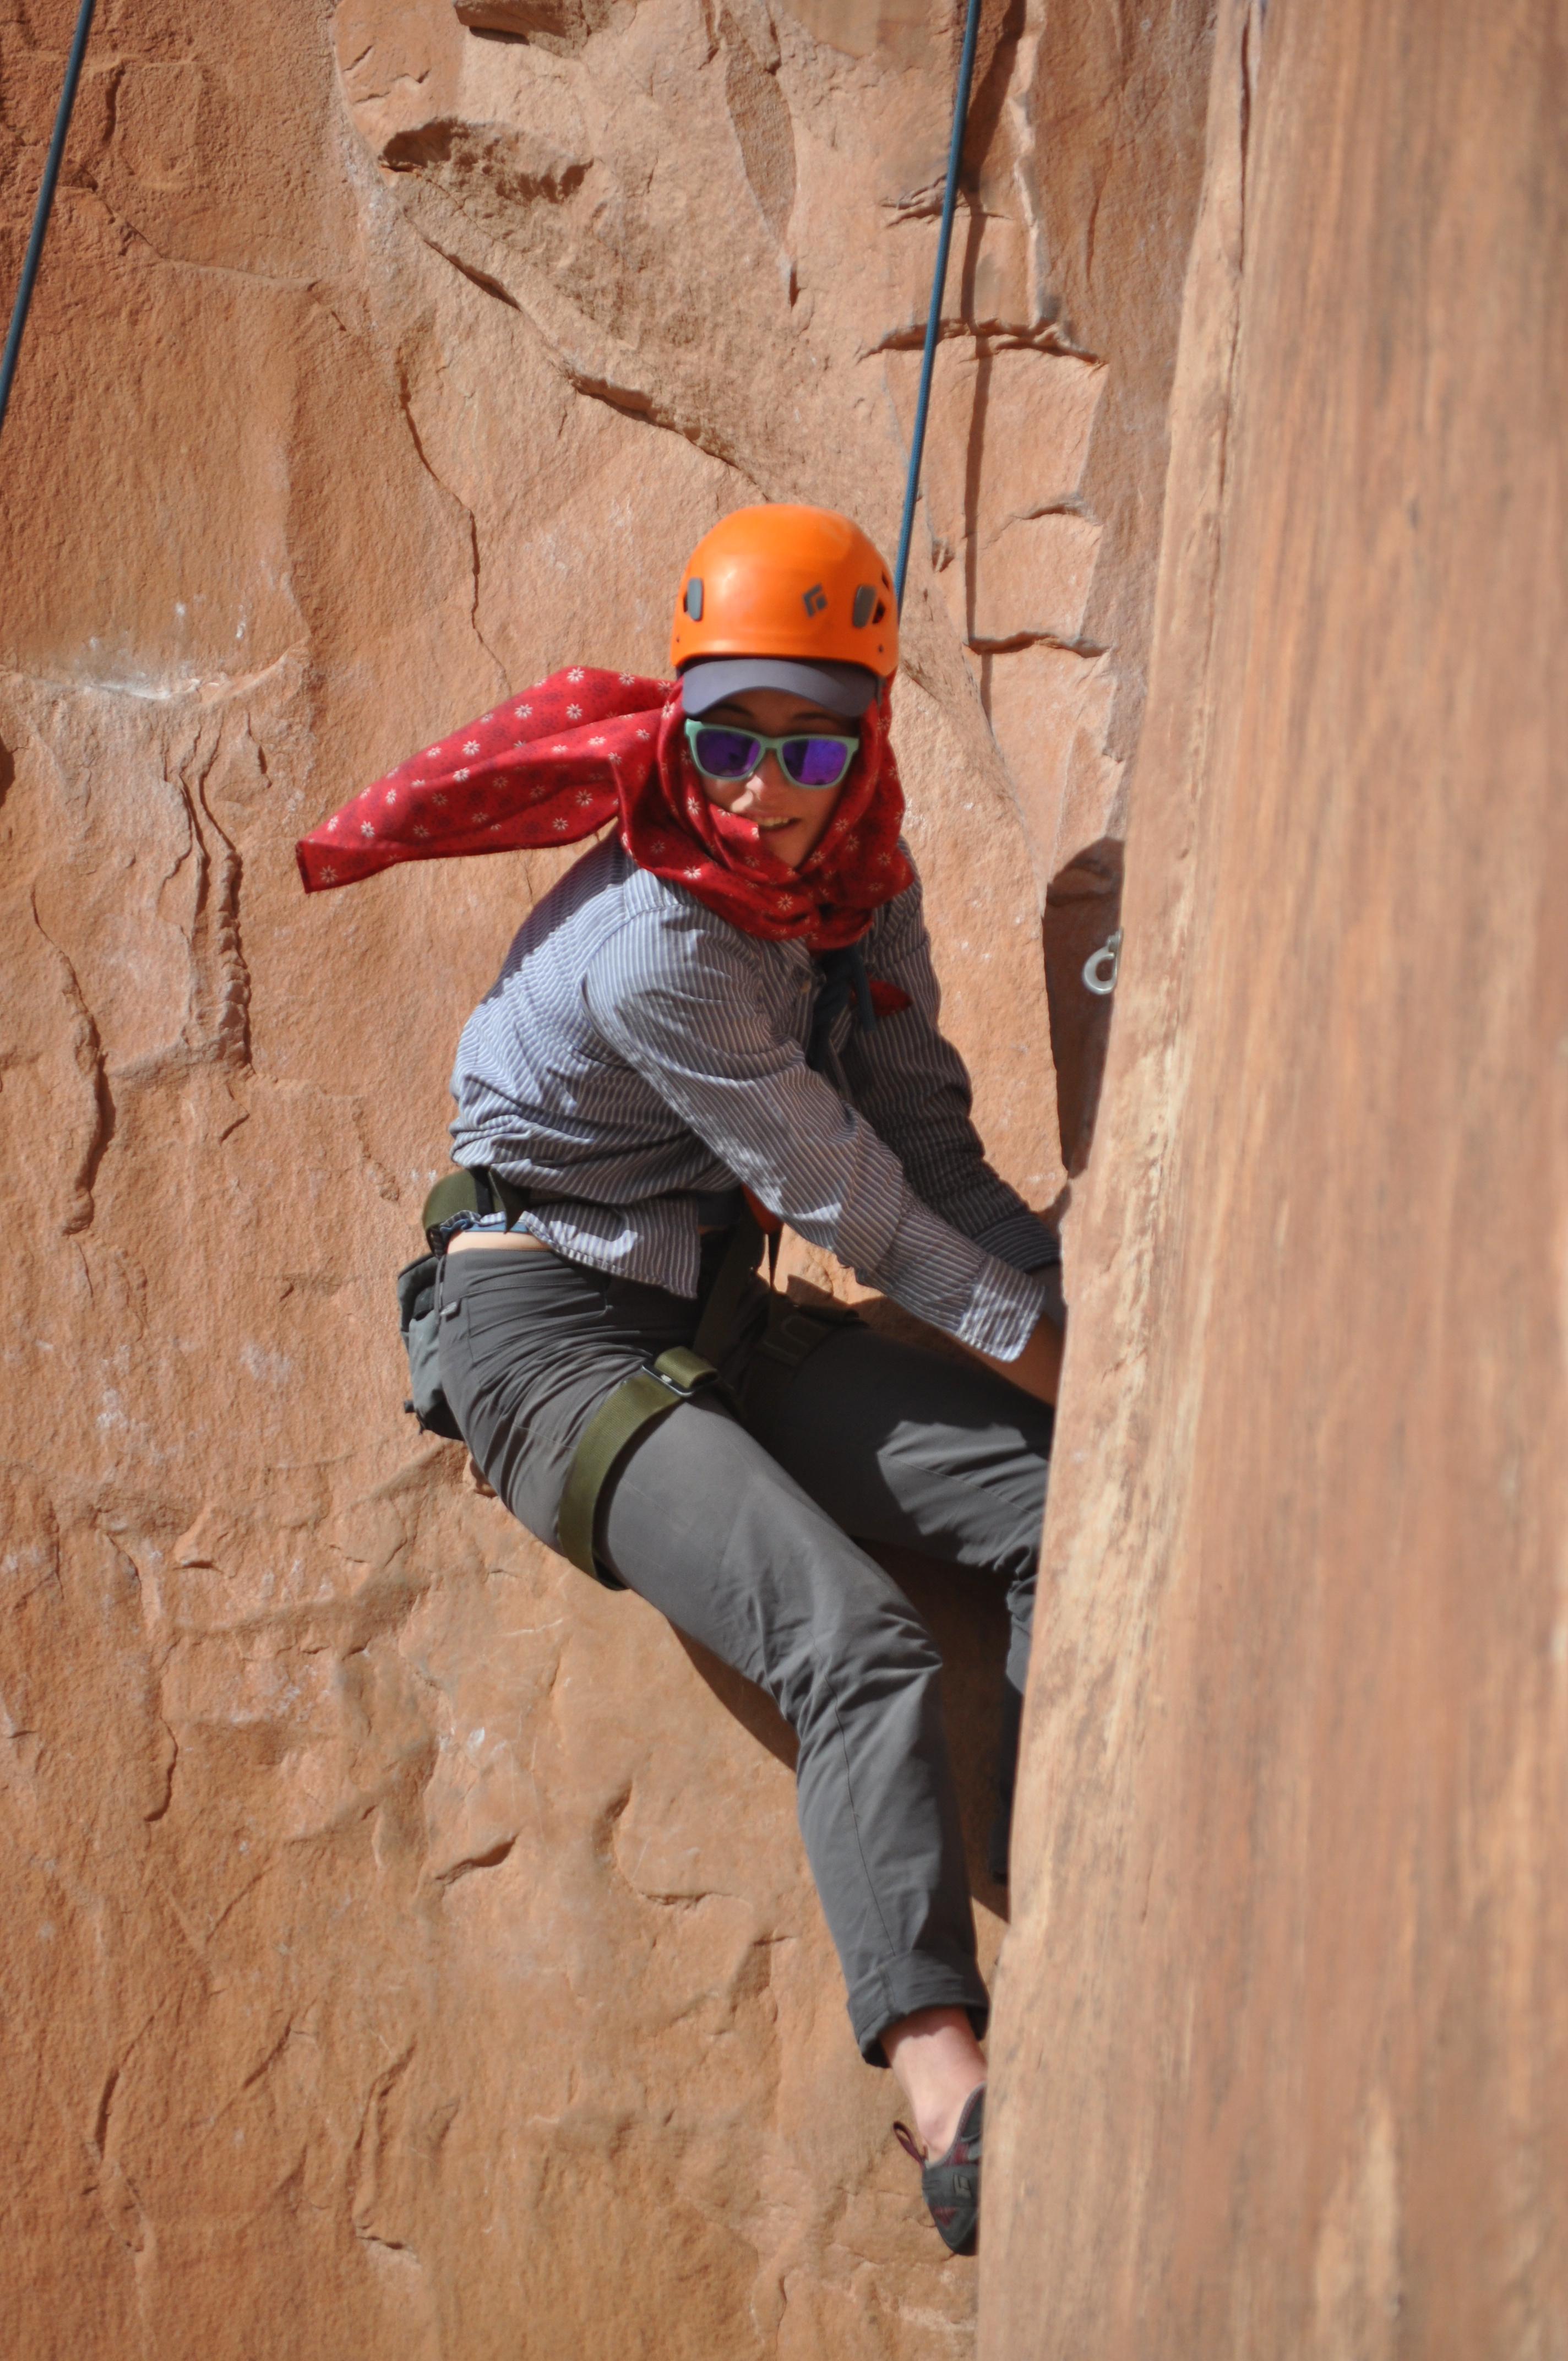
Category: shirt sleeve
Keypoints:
(913, 1086)
(682, 1004)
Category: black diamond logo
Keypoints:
(814, 600)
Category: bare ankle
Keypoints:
(937, 2063)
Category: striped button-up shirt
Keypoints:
(637, 1051)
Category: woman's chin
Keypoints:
(783, 844)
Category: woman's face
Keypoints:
(790, 820)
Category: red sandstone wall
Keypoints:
(407, 1947)
(1282, 2023)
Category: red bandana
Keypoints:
(585, 748)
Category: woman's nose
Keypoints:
(765, 778)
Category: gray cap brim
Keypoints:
(843, 688)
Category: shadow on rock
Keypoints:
(1083, 910)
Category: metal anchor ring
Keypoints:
(1100, 968)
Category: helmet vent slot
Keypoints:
(694, 597)
(865, 600)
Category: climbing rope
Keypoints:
(45, 206)
(938, 288)
(1100, 969)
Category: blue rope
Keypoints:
(939, 287)
(45, 201)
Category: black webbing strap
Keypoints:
(512, 1202)
(725, 1296)
(844, 984)
(792, 1333)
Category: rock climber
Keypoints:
(724, 1016)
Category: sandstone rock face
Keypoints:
(408, 1948)
(1281, 2024)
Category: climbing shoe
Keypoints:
(950, 2183)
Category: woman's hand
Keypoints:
(1038, 1369)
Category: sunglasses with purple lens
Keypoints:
(732, 754)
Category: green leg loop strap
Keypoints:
(648, 1396)
(638, 1403)
(642, 1399)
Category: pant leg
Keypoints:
(712, 1532)
(706, 1527)
(921, 1452)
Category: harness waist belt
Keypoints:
(479, 1190)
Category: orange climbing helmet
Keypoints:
(790, 590)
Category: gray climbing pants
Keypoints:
(742, 1536)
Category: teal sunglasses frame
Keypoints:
(774, 746)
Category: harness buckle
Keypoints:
(684, 1372)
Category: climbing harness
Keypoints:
(455, 1202)
(1100, 967)
(639, 1403)
(792, 1331)
(34, 254)
(938, 289)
